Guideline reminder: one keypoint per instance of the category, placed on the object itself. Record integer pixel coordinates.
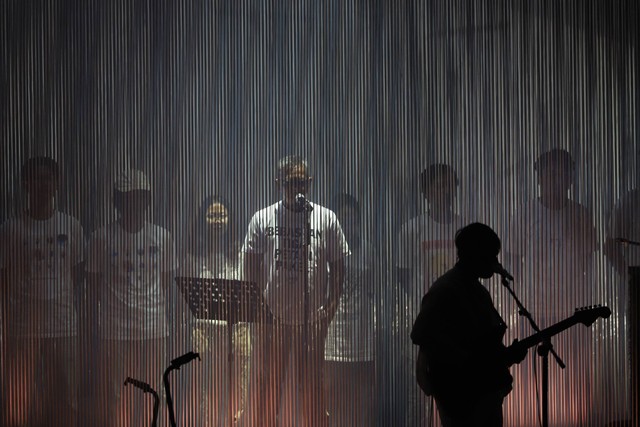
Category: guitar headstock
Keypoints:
(589, 314)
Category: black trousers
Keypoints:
(485, 411)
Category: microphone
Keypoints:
(499, 269)
(626, 241)
(302, 202)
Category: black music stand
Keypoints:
(231, 300)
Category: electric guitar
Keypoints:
(584, 315)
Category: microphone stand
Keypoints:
(174, 366)
(307, 244)
(147, 389)
(626, 242)
(543, 351)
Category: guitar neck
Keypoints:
(585, 315)
(546, 333)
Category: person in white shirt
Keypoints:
(213, 252)
(622, 251)
(283, 257)
(130, 264)
(624, 227)
(350, 374)
(426, 247)
(551, 243)
(426, 250)
(42, 251)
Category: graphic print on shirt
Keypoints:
(290, 247)
(137, 266)
(46, 257)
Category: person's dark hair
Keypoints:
(197, 244)
(433, 171)
(556, 156)
(30, 166)
(288, 163)
(476, 239)
(342, 200)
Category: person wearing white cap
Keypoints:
(130, 264)
(42, 251)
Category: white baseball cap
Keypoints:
(131, 180)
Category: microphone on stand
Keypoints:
(499, 269)
(303, 203)
(626, 241)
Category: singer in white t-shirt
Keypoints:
(130, 264)
(275, 249)
(42, 251)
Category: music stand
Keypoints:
(231, 300)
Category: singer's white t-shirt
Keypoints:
(39, 257)
(133, 301)
(278, 234)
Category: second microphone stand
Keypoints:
(176, 364)
(543, 351)
(306, 206)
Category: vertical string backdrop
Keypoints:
(205, 97)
